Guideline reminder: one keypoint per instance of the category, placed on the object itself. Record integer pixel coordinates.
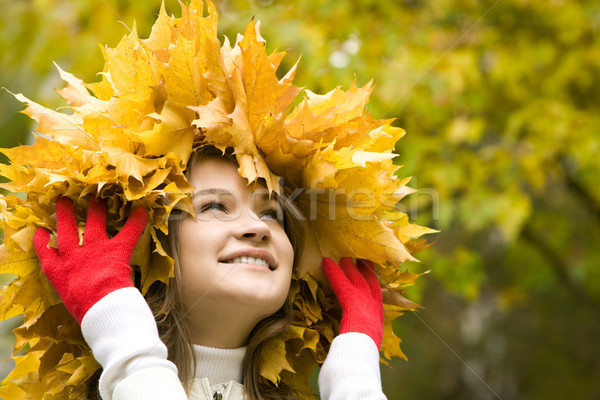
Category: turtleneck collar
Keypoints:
(219, 365)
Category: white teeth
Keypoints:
(251, 260)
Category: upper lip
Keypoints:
(252, 252)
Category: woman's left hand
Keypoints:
(358, 291)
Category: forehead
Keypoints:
(220, 175)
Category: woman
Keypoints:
(129, 139)
(234, 261)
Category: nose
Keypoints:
(252, 228)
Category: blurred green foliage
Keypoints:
(501, 105)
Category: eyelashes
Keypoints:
(216, 205)
(273, 213)
(269, 213)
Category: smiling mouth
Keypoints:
(249, 260)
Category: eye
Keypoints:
(272, 213)
(214, 205)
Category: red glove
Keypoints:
(357, 289)
(82, 275)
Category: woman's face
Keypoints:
(235, 255)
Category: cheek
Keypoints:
(193, 252)
(194, 240)
(290, 259)
(287, 256)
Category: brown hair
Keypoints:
(165, 303)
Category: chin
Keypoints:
(253, 299)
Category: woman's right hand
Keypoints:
(82, 275)
(94, 282)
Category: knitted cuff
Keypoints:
(351, 369)
(121, 331)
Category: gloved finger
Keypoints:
(353, 274)
(334, 275)
(66, 225)
(95, 226)
(368, 271)
(132, 230)
(47, 255)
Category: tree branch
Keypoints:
(580, 191)
(559, 266)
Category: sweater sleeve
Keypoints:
(123, 336)
(351, 369)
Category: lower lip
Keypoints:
(249, 266)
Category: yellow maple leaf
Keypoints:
(390, 346)
(274, 360)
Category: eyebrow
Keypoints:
(225, 192)
(265, 196)
(212, 191)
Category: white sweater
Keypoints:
(136, 366)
